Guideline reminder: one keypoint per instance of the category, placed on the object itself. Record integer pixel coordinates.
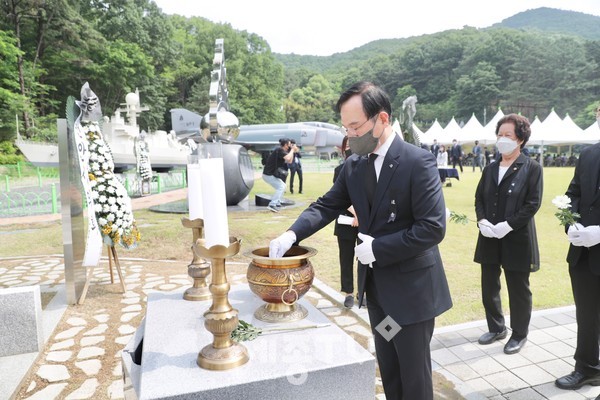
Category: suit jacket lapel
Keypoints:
(514, 168)
(596, 178)
(494, 170)
(390, 163)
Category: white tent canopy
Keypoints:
(592, 132)
(552, 131)
(490, 128)
(434, 132)
(450, 132)
(579, 133)
(472, 131)
(556, 131)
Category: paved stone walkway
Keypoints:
(86, 346)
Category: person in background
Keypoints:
(477, 156)
(272, 175)
(347, 235)
(456, 154)
(435, 148)
(295, 167)
(442, 157)
(583, 258)
(397, 196)
(507, 197)
(487, 155)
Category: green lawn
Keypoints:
(163, 237)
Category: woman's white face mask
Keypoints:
(506, 145)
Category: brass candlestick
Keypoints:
(199, 268)
(221, 318)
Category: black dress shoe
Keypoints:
(349, 301)
(491, 337)
(575, 380)
(514, 345)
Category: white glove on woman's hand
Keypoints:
(278, 247)
(364, 251)
(501, 229)
(587, 237)
(485, 227)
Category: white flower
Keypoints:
(120, 231)
(98, 207)
(562, 202)
(101, 188)
(110, 217)
(111, 200)
(114, 208)
(102, 221)
(106, 208)
(120, 213)
(102, 198)
(95, 166)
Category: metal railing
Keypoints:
(39, 192)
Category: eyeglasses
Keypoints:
(355, 130)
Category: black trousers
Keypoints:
(519, 299)
(295, 170)
(346, 255)
(405, 360)
(457, 160)
(586, 292)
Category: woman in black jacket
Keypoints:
(506, 200)
(346, 238)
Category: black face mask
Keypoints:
(363, 145)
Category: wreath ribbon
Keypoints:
(93, 243)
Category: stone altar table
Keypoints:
(323, 363)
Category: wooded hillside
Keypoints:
(49, 48)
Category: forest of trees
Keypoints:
(49, 48)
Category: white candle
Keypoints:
(194, 191)
(214, 202)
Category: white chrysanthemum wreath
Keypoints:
(111, 201)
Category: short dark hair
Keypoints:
(283, 141)
(292, 141)
(374, 98)
(522, 126)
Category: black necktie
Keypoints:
(371, 178)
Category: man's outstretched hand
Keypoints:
(278, 247)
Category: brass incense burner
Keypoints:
(199, 268)
(280, 282)
(221, 318)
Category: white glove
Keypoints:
(501, 229)
(278, 247)
(364, 251)
(587, 237)
(485, 227)
(574, 230)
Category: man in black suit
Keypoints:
(402, 219)
(456, 154)
(584, 268)
(435, 148)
